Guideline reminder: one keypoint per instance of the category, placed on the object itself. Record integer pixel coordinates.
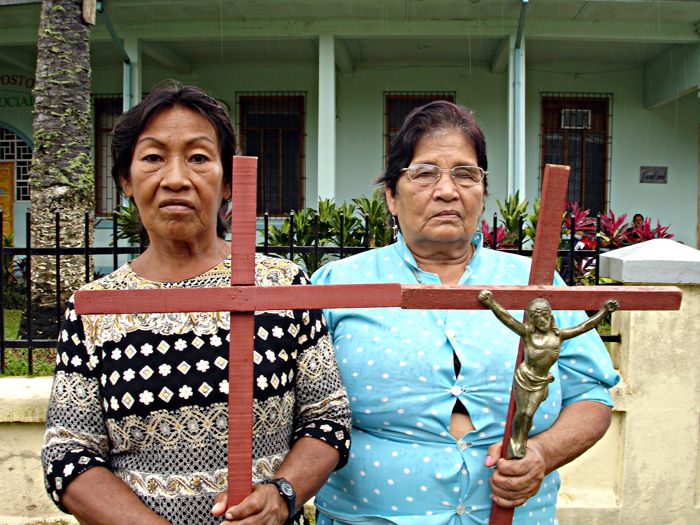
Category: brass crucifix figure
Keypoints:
(542, 341)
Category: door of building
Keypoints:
(7, 190)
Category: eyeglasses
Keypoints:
(464, 176)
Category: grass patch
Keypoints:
(43, 359)
(12, 319)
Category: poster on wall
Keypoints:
(7, 185)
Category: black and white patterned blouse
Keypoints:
(145, 395)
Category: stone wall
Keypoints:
(23, 499)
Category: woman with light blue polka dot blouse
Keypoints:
(429, 389)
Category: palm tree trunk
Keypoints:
(61, 175)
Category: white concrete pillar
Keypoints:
(649, 458)
(325, 182)
(516, 119)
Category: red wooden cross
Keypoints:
(243, 298)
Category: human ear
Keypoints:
(390, 199)
(226, 194)
(126, 186)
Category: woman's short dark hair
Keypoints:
(166, 95)
(424, 120)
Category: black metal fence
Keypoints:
(16, 269)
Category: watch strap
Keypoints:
(286, 490)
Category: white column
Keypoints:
(325, 183)
(132, 73)
(516, 119)
(511, 123)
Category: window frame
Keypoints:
(279, 102)
(552, 104)
(113, 105)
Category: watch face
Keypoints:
(286, 488)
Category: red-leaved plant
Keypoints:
(613, 230)
(487, 233)
(584, 226)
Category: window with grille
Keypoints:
(271, 128)
(575, 131)
(107, 111)
(14, 149)
(397, 106)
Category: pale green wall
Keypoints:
(360, 112)
(360, 135)
(18, 118)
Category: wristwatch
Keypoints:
(286, 491)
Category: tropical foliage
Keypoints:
(361, 222)
(516, 226)
(333, 225)
(614, 230)
(130, 227)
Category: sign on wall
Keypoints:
(7, 170)
(653, 174)
(16, 91)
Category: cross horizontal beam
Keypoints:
(237, 298)
(441, 297)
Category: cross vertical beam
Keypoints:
(544, 262)
(241, 338)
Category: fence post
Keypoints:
(86, 247)
(57, 219)
(572, 246)
(520, 233)
(494, 234)
(30, 311)
(317, 240)
(291, 235)
(266, 232)
(115, 241)
(342, 235)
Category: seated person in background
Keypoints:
(637, 220)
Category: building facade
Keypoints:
(317, 88)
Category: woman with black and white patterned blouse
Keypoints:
(137, 424)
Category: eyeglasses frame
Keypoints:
(484, 174)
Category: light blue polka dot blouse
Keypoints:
(405, 467)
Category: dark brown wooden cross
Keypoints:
(243, 298)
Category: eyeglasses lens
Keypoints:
(428, 174)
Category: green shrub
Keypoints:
(327, 220)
